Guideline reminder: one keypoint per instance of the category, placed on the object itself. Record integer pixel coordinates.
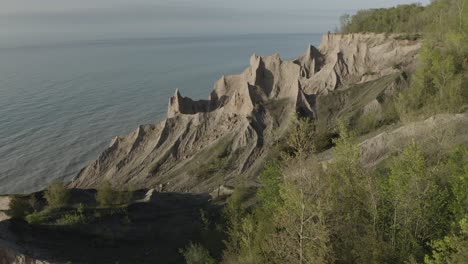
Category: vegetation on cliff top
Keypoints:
(412, 208)
(440, 81)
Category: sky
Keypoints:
(158, 18)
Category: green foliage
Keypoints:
(322, 141)
(457, 171)
(418, 211)
(57, 194)
(354, 201)
(70, 219)
(73, 218)
(19, 207)
(414, 211)
(107, 196)
(354, 215)
(452, 248)
(248, 230)
(269, 194)
(439, 84)
(403, 18)
(234, 212)
(196, 254)
(300, 140)
(36, 218)
(302, 215)
(372, 120)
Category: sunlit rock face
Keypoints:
(204, 144)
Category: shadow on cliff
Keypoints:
(152, 229)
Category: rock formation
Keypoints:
(205, 144)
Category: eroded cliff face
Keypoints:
(203, 144)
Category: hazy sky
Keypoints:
(153, 18)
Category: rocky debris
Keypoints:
(4, 206)
(222, 191)
(10, 256)
(203, 144)
(5, 203)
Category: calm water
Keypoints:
(61, 103)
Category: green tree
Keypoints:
(300, 140)
(57, 194)
(355, 201)
(196, 254)
(301, 232)
(19, 207)
(418, 204)
(457, 170)
(439, 84)
(452, 248)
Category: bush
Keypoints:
(323, 140)
(367, 122)
(19, 208)
(107, 196)
(57, 195)
(196, 254)
(36, 218)
(71, 219)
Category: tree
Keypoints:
(196, 254)
(344, 21)
(457, 170)
(355, 201)
(452, 248)
(19, 208)
(300, 141)
(302, 234)
(57, 194)
(418, 204)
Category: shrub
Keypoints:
(57, 195)
(70, 219)
(107, 196)
(35, 218)
(196, 254)
(73, 218)
(367, 122)
(19, 208)
(323, 140)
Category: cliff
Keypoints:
(203, 144)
